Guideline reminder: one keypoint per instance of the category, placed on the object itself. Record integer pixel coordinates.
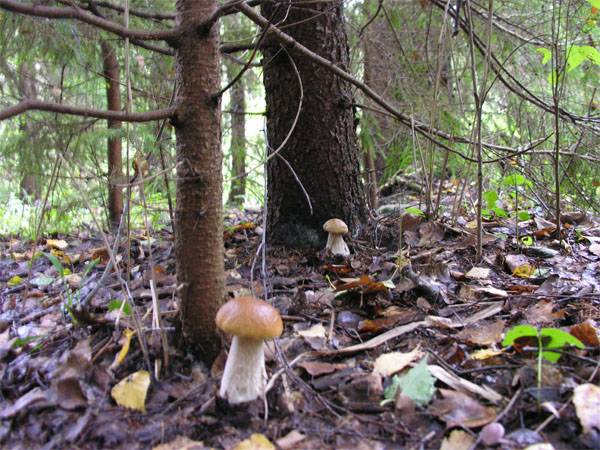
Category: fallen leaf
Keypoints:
(478, 273)
(457, 440)
(59, 244)
(458, 409)
(131, 391)
(317, 330)
(595, 249)
(513, 261)
(316, 368)
(524, 271)
(390, 363)
(255, 442)
(36, 396)
(290, 440)
(483, 333)
(14, 281)
(586, 333)
(125, 343)
(541, 313)
(586, 398)
(181, 443)
(417, 383)
(485, 353)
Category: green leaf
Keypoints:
(514, 179)
(42, 280)
(14, 281)
(523, 215)
(490, 197)
(114, 305)
(546, 54)
(414, 211)
(594, 3)
(417, 384)
(558, 340)
(56, 263)
(20, 342)
(517, 332)
(499, 212)
(527, 240)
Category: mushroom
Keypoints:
(335, 241)
(251, 321)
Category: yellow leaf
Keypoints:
(18, 257)
(126, 341)
(389, 363)
(131, 392)
(59, 244)
(15, 281)
(255, 442)
(524, 271)
(485, 353)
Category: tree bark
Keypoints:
(115, 161)
(237, 103)
(322, 150)
(198, 213)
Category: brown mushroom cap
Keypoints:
(250, 318)
(335, 226)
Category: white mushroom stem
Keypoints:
(244, 376)
(337, 245)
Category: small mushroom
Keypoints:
(335, 241)
(251, 321)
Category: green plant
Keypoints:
(548, 339)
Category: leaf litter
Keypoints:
(381, 350)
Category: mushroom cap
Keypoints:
(250, 318)
(335, 226)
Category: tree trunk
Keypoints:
(115, 162)
(322, 149)
(198, 213)
(237, 105)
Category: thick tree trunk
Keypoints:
(238, 141)
(322, 150)
(198, 214)
(115, 161)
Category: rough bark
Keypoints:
(198, 213)
(115, 161)
(237, 190)
(322, 149)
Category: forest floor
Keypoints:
(379, 351)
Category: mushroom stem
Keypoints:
(244, 376)
(337, 245)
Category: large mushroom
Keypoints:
(335, 241)
(251, 321)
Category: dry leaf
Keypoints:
(181, 443)
(390, 363)
(483, 333)
(457, 440)
(316, 368)
(595, 249)
(478, 273)
(485, 353)
(524, 271)
(59, 244)
(586, 333)
(586, 399)
(290, 440)
(317, 330)
(125, 343)
(255, 442)
(131, 391)
(541, 313)
(458, 409)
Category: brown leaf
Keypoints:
(458, 409)
(586, 333)
(541, 313)
(483, 333)
(586, 399)
(316, 368)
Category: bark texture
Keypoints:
(322, 150)
(115, 160)
(198, 213)
(237, 104)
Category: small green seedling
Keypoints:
(548, 339)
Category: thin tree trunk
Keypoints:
(322, 150)
(237, 191)
(198, 213)
(114, 155)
